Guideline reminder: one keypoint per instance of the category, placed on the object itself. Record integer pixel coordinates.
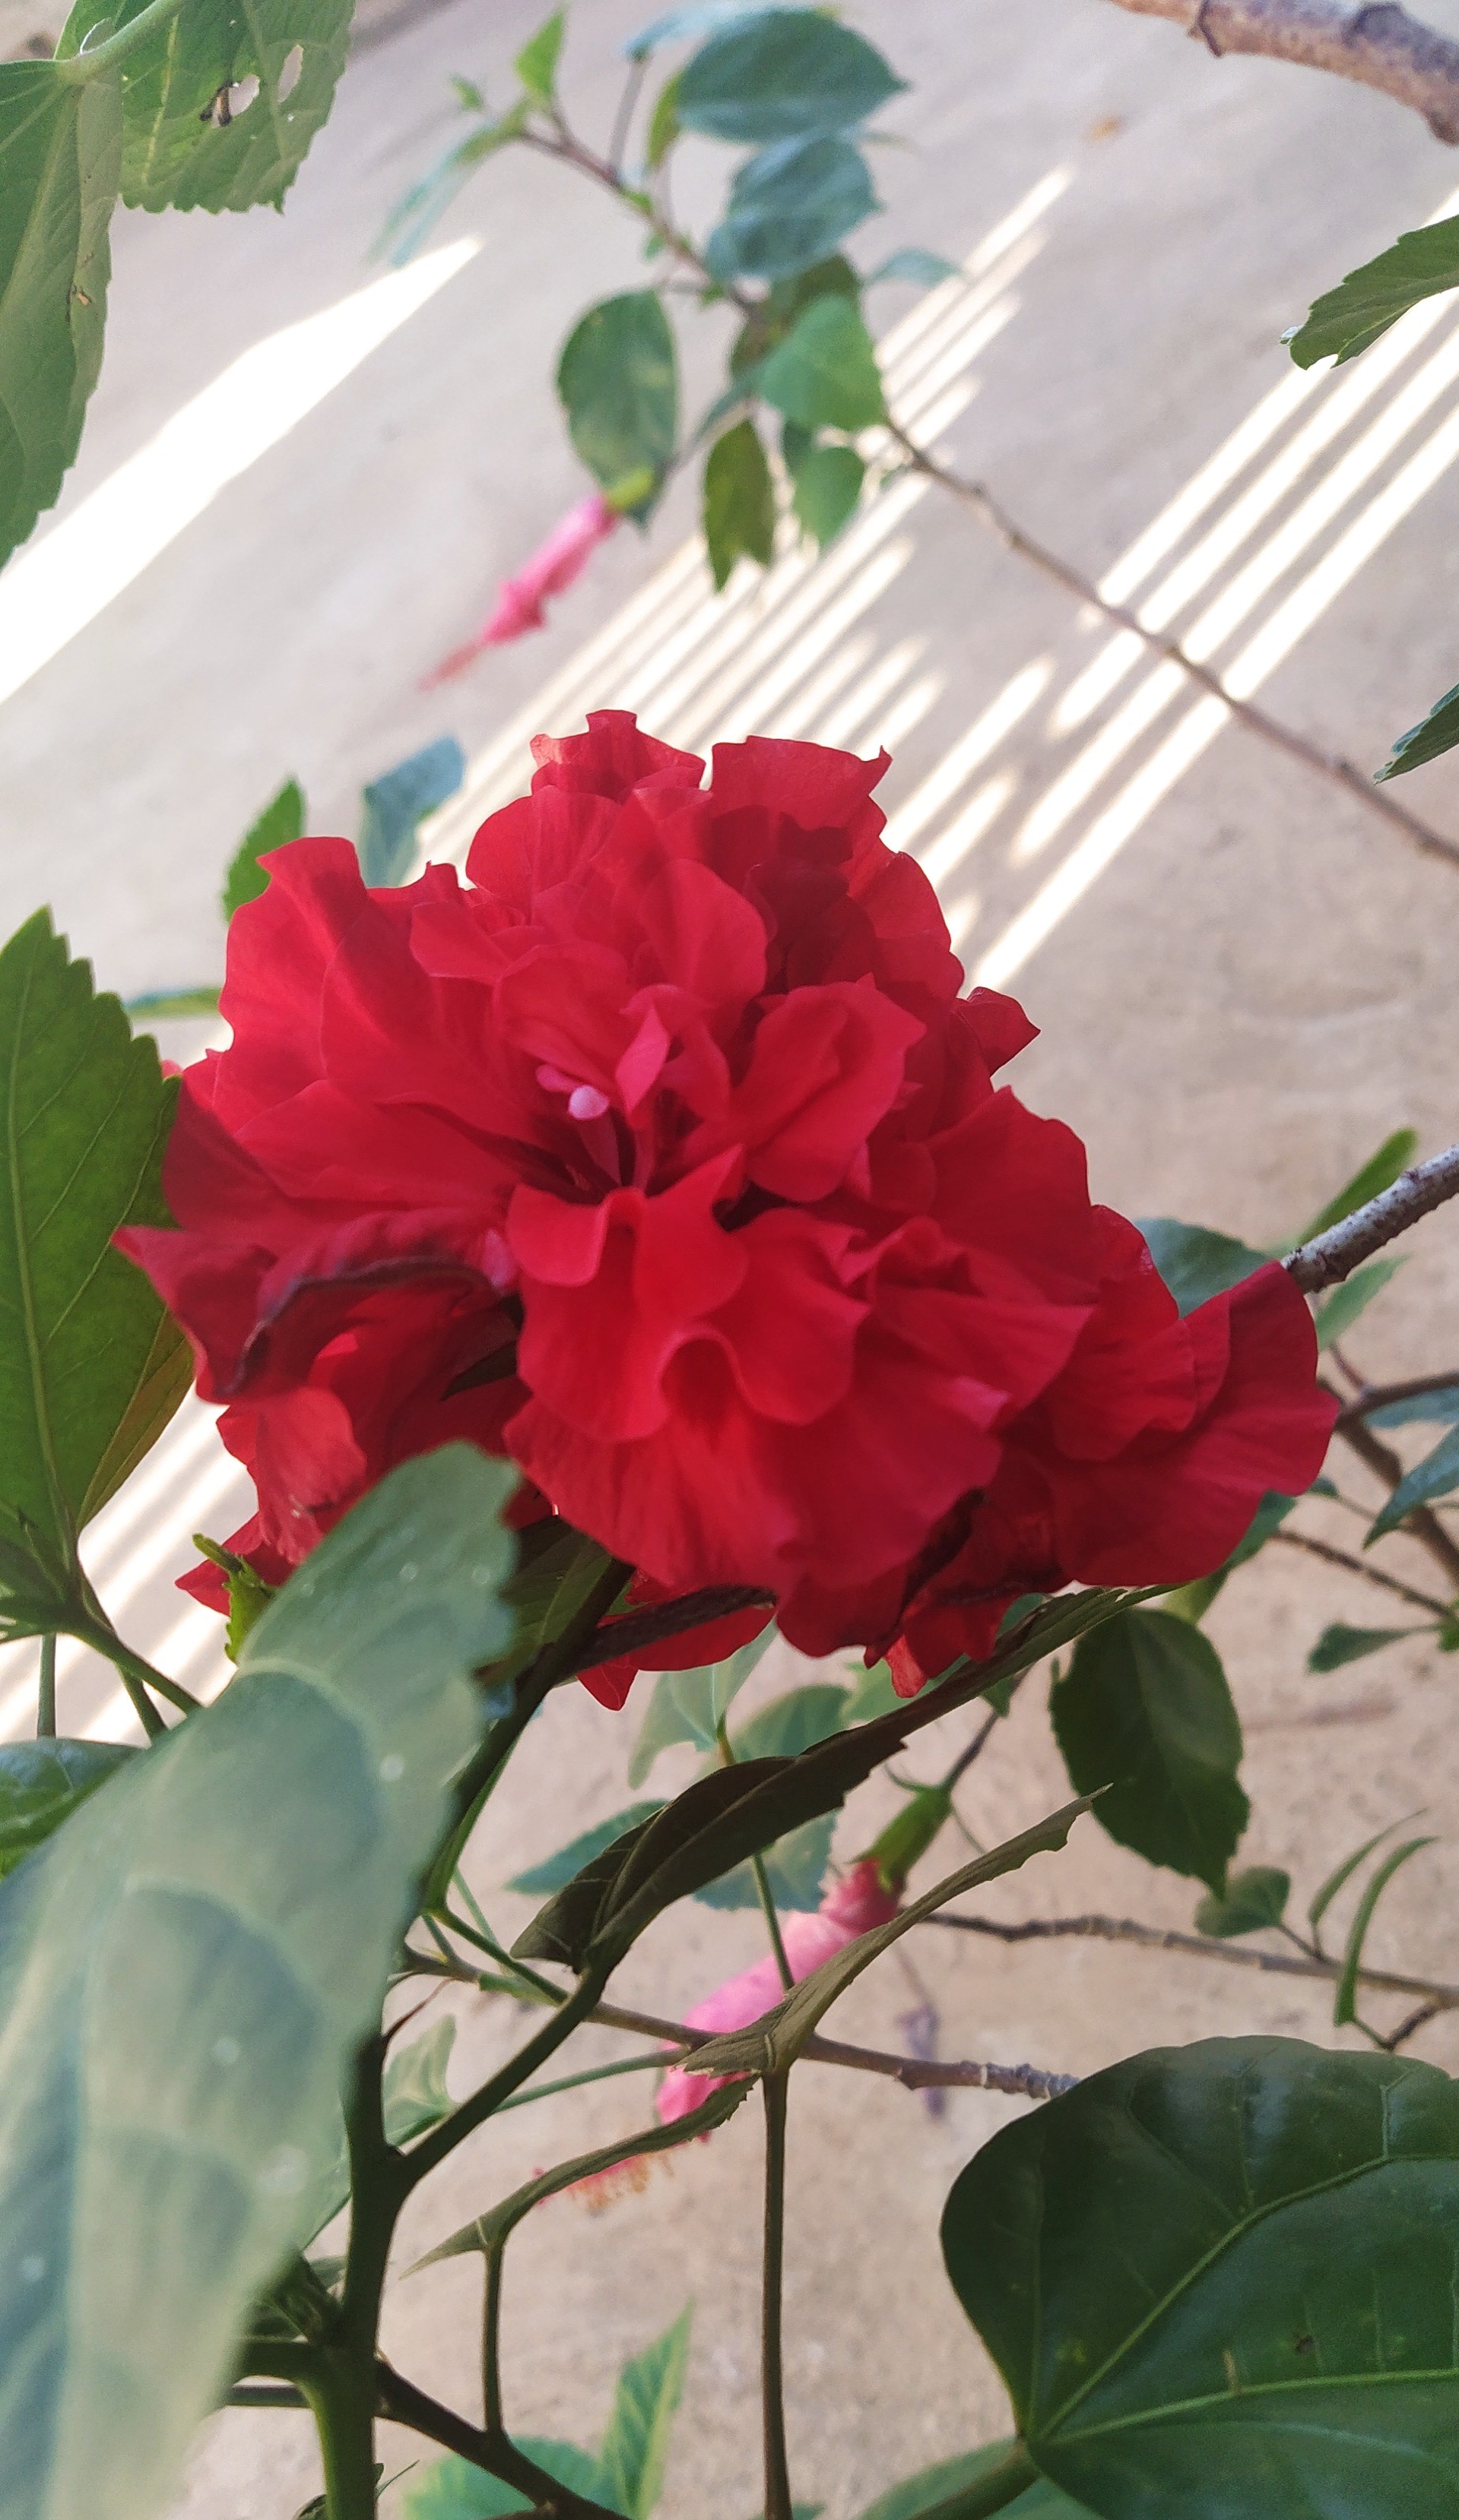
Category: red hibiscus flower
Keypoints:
(664, 1155)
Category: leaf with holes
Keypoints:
(60, 169)
(1347, 319)
(783, 74)
(186, 1971)
(1218, 2280)
(90, 1367)
(739, 502)
(1144, 1711)
(618, 381)
(280, 821)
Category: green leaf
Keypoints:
(1340, 1643)
(189, 140)
(418, 211)
(536, 64)
(1344, 2005)
(618, 381)
(795, 1868)
(796, 1722)
(1254, 1899)
(635, 2444)
(664, 125)
(280, 822)
(1425, 1408)
(695, 20)
(789, 205)
(1195, 1263)
(452, 2489)
(871, 1695)
(781, 76)
(913, 262)
(1343, 1873)
(825, 375)
(1336, 1317)
(1145, 1711)
(187, 1968)
(691, 1705)
(173, 1002)
(739, 503)
(539, 1879)
(1218, 2281)
(42, 1783)
(397, 803)
(60, 167)
(932, 2486)
(90, 1367)
(773, 2043)
(1193, 1600)
(1437, 1474)
(414, 2097)
(827, 487)
(1423, 263)
(1378, 1173)
(1434, 733)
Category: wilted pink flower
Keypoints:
(851, 1908)
(519, 606)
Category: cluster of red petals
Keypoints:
(664, 1155)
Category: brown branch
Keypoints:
(1380, 46)
(1422, 1525)
(400, 2402)
(1334, 1255)
(1156, 1938)
(1373, 1396)
(640, 1629)
(1359, 1566)
(1332, 766)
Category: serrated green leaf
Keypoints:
(1347, 319)
(1218, 2280)
(42, 1783)
(1343, 1307)
(618, 379)
(1340, 1643)
(536, 64)
(280, 822)
(194, 135)
(781, 76)
(1195, 1263)
(635, 2446)
(828, 488)
(824, 375)
(186, 1969)
(1378, 1173)
(739, 502)
(397, 803)
(789, 205)
(452, 2489)
(60, 169)
(931, 2487)
(90, 1368)
(1434, 733)
(1436, 1475)
(1254, 1899)
(539, 1880)
(1145, 1711)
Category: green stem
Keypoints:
(77, 68)
(589, 2073)
(433, 2149)
(772, 1921)
(136, 1673)
(778, 2504)
(1000, 2486)
(344, 2411)
(45, 1702)
(403, 2403)
(492, 2338)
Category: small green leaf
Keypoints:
(931, 2487)
(1434, 733)
(1378, 1173)
(42, 1783)
(1338, 1644)
(781, 76)
(1344, 2005)
(618, 381)
(827, 487)
(60, 169)
(452, 2489)
(540, 1880)
(1145, 1711)
(1254, 1899)
(280, 822)
(825, 375)
(1218, 2281)
(1343, 1871)
(1436, 1475)
(414, 2097)
(1423, 263)
(397, 803)
(691, 1705)
(536, 64)
(1336, 1317)
(1438, 1408)
(914, 263)
(789, 205)
(664, 125)
(739, 503)
(1195, 1263)
(635, 2444)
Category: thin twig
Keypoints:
(1421, 1524)
(400, 2402)
(1359, 1566)
(1373, 1396)
(1382, 47)
(1332, 1256)
(640, 1629)
(1157, 1938)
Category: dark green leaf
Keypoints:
(452, 2489)
(794, 1871)
(1344, 2005)
(1336, 1317)
(60, 167)
(789, 205)
(397, 803)
(1254, 1898)
(619, 382)
(1145, 1711)
(191, 140)
(90, 1367)
(1350, 318)
(42, 1783)
(1434, 733)
(536, 64)
(1338, 1644)
(1437, 1474)
(1426, 1408)
(1218, 2281)
(186, 1969)
(563, 1930)
(739, 505)
(1195, 1263)
(635, 2444)
(783, 74)
(914, 263)
(557, 1571)
(691, 1705)
(280, 822)
(1378, 1173)
(932, 2486)
(540, 1880)
(824, 375)
(828, 487)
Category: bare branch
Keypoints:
(1332, 1256)
(1359, 1566)
(1383, 1395)
(1157, 1938)
(1422, 1524)
(1380, 46)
